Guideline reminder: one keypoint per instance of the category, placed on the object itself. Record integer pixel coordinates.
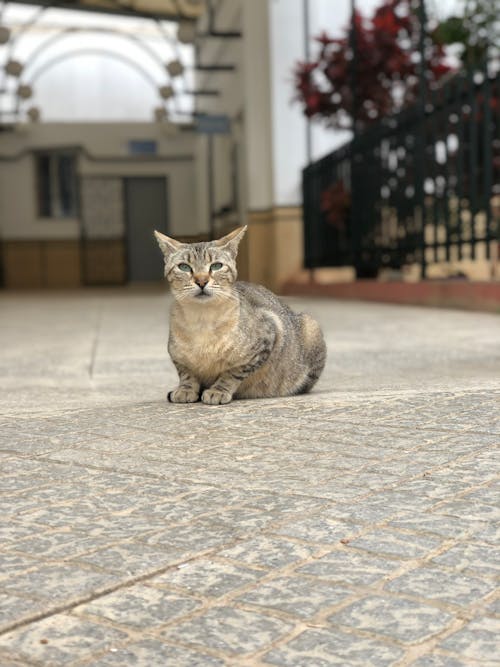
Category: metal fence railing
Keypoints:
(422, 186)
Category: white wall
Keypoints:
(289, 124)
(332, 17)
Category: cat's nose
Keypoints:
(201, 281)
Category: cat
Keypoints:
(232, 339)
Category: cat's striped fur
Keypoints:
(232, 339)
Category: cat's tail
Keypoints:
(314, 348)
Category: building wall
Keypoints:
(274, 141)
(88, 74)
(102, 150)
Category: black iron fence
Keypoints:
(419, 187)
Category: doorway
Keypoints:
(145, 210)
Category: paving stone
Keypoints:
(58, 582)
(464, 507)
(59, 544)
(76, 515)
(399, 545)
(171, 512)
(437, 584)
(28, 504)
(116, 527)
(396, 618)
(323, 648)
(322, 529)
(375, 511)
(193, 538)
(439, 525)
(105, 485)
(330, 490)
(107, 480)
(13, 564)
(442, 661)
(10, 662)
(139, 607)
(493, 608)
(227, 629)
(268, 552)
(14, 609)
(462, 475)
(297, 596)
(130, 559)
(490, 533)
(246, 519)
(14, 483)
(284, 504)
(350, 567)
(212, 498)
(478, 558)
(11, 531)
(59, 640)
(486, 494)
(207, 577)
(477, 640)
(153, 653)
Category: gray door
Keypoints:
(145, 211)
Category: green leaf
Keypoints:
(452, 31)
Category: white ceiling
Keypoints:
(167, 9)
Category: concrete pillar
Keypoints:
(257, 104)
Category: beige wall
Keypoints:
(273, 250)
(103, 152)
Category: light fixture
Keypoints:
(34, 114)
(24, 91)
(13, 67)
(166, 92)
(186, 32)
(175, 68)
(4, 34)
(160, 113)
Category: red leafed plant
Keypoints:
(335, 204)
(385, 74)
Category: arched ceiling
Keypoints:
(162, 9)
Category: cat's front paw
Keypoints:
(183, 396)
(216, 397)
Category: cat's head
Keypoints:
(201, 272)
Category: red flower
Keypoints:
(386, 22)
(335, 203)
(325, 39)
(440, 69)
(384, 49)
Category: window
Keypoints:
(142, 147)
(57, 184)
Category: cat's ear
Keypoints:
(167, 245)
(232, 240)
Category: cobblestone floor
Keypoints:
(357, 525)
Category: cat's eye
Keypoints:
(184, 267)
(216, 266)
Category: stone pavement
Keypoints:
(357, 525)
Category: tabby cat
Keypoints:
(233, 339)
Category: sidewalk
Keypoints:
(357, 525)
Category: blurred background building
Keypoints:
(193, 116)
